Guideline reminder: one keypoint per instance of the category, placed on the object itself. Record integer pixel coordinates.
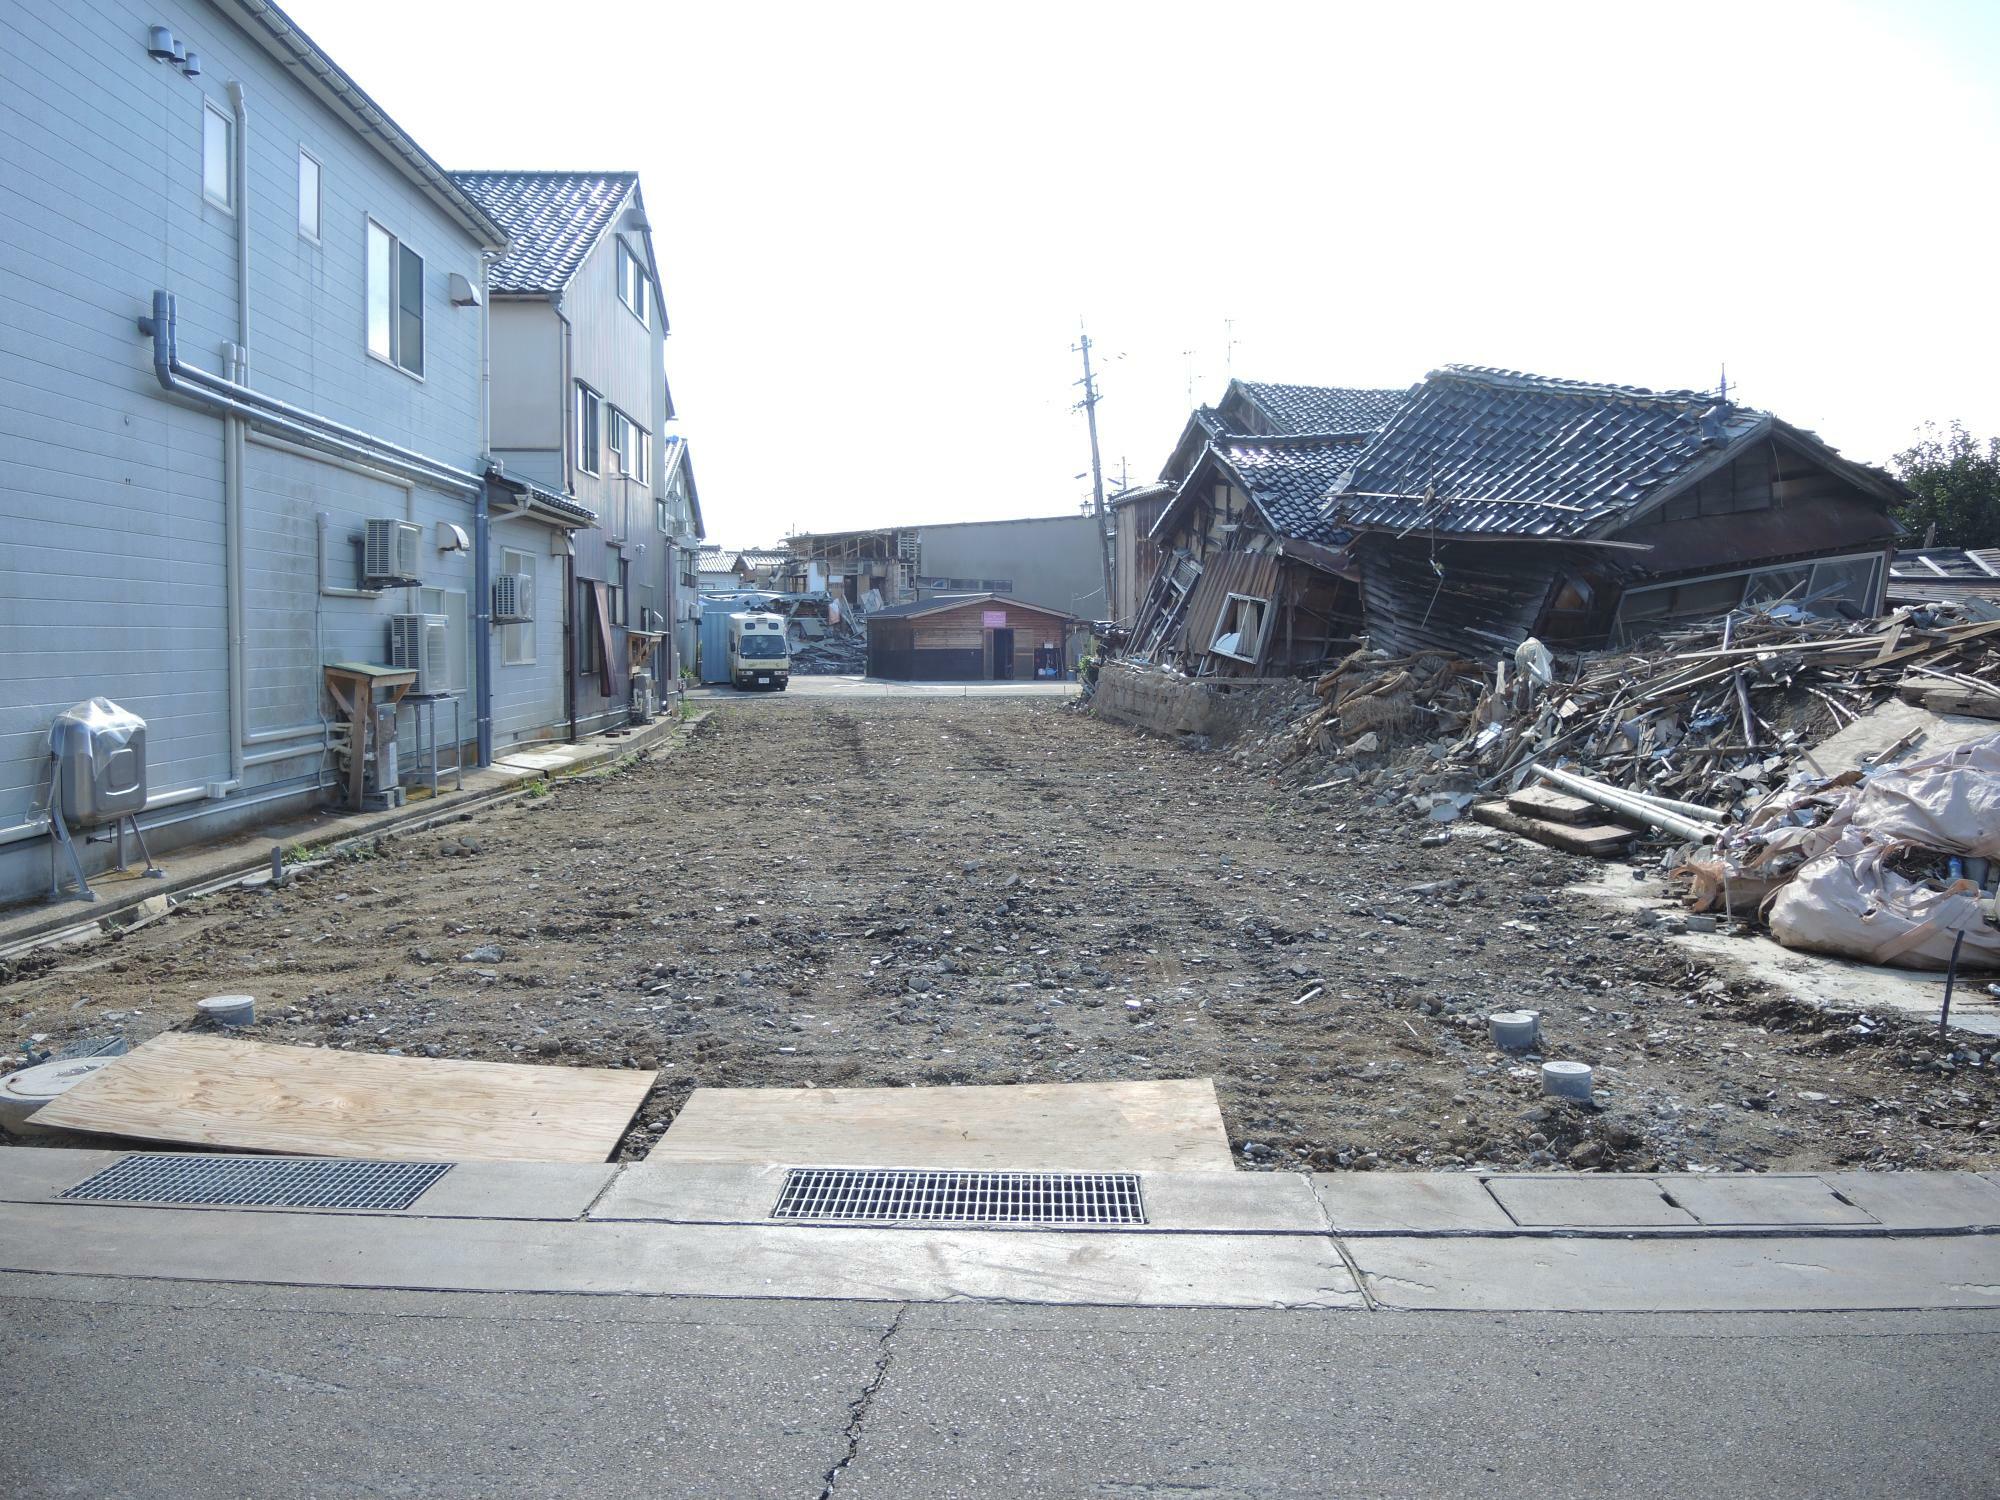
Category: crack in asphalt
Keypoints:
(857, 1410)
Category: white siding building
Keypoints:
(191, 553)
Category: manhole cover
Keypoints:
(260, 1181)
(875, 1195)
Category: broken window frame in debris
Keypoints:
(1247, 645)
(1855, 578)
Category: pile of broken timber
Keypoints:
(1371, 700)
(1715, 717)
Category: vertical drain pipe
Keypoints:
(237, 361)
(482, 541)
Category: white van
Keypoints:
(758, 654)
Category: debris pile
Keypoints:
(1899, 866)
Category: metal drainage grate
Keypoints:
(260, 1181)
(961, 1197)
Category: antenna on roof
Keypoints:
(1725, 380)
(1229, 346)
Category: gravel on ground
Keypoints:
(882, 892)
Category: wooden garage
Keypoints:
(969, 638)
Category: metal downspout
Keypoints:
(567, 397)
(236, 360)
(482, 539)
(482, 665)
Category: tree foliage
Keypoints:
(1957, 484)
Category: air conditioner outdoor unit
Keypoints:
(513, 599)
(422, 643)
(391, 555)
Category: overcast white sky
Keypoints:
(879, 225)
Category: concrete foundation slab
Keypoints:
(1587, 1203)
(1674, 1274)
(1752, 1199)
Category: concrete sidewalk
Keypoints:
(1263, 1240)
(197, 869)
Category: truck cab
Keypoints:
(758, 653)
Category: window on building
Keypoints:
(517, 641)
(633, 288)
(639, 454)
(451, 604)
(589, 425)
(590, 657)
(1240, 632)
(308, 195)
(218, 140)
(621, 594)
(619, 424)
(395, 300)
(1819, 588)
(663, 516)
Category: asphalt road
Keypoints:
(124, 1388)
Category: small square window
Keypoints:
(308, 195)
(218, 139)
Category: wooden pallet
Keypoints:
(316, 1101)
(1598, 840)
(1157, 1125)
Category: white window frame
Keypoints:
(589, 419)
(617, 437)
(318, 196)
(633, 285)
(640, 455)
(1250, 650)
(517, 639)
(398, 249)
(214, 114)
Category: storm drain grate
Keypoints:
(961, 1197)
(260, 1181)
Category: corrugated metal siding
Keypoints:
(111, 581)
(1422, 596)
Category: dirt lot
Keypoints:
(886, 891)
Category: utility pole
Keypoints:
(1089, 405)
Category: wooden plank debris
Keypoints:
(1969, 704)
(1599, 840)
(1553, 806)
(310, 1101)
(1161, 1125)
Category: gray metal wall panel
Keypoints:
(1052, 561)
(111, 557)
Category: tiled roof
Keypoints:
(1323, 408)
(765, 557)
(1289, 477)
(551, 218)
(1496, 451)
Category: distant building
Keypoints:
(975, 638)
(1053, 561)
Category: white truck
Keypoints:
(758, 653)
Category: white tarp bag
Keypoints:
(1949, 801)
(95, 730)
(1853, 905)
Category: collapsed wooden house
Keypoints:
(1494, 506)
(1251, 578)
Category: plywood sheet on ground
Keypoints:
(252, 1096)
(1165, 1125)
